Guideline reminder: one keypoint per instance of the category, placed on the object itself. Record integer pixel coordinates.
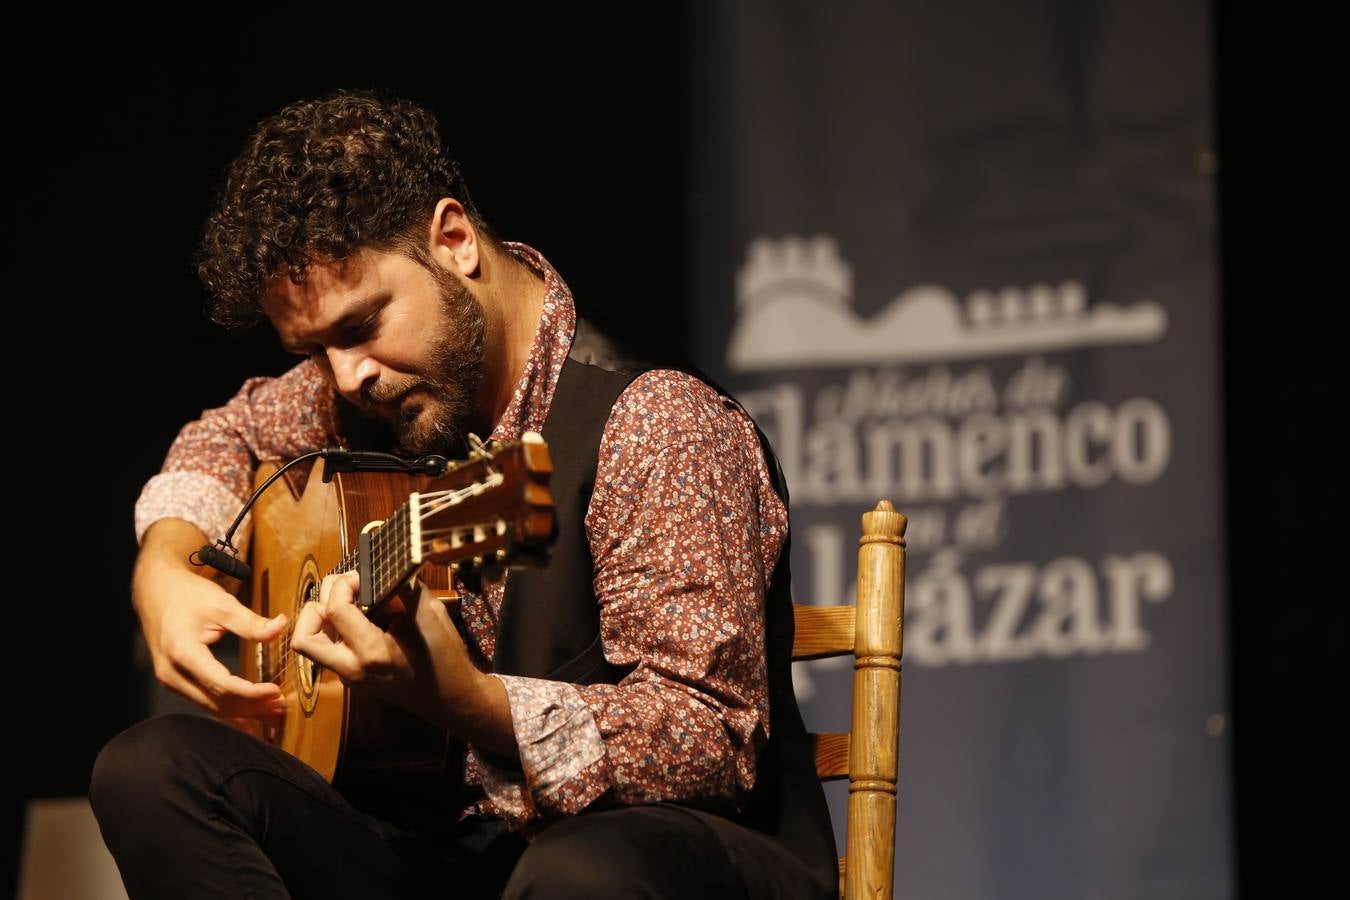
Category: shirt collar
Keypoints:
(533, 394)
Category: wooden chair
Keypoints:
(870, 629)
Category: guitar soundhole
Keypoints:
(306, 670)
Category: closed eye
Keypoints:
(366, 328)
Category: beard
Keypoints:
(454, 369)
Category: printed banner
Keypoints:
(961, 256)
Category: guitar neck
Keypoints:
(389, 555)
(478, 536)
(485, 513)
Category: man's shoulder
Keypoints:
(661, 407)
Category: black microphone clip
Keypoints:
(217, 556)
(340, 459)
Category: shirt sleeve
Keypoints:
(207, 474)
(685, 528)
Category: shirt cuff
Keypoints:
(198, 498)
(563, 767)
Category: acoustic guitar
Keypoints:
(485, 513)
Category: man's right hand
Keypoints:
(183, 611)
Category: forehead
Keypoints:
(325, 283)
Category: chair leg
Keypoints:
(874, 748)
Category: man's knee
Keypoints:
(634, 852)
(555, 870)
(139, 768)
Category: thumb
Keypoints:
(249, 625)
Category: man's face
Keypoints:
(401, 342)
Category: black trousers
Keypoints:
(190, 807)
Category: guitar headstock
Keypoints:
(489, 511)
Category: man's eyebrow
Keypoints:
(356, 312)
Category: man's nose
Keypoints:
(352, 369)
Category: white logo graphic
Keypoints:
(795, 298)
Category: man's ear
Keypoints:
(453, 239)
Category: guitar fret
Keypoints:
(378, 552)
(396, 563)
(405, 539)
(391, 557)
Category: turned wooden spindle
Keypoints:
(874, 750)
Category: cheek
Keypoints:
(406, 349)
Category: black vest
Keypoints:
(549, 624)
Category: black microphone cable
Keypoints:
(224, 556)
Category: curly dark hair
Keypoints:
(318, 181)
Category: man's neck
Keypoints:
(513, 301)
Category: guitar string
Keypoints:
(284, 658)
(288, 658)
(433, 502)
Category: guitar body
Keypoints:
(301, 531)
(483, 514)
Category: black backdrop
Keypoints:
(573, 141)
(573, 131)
(1282, 207)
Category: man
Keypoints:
(628, 712)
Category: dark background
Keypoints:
(573, 131)
(1282, 206)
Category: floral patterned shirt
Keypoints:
(684, 527)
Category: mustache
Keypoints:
(385, 391)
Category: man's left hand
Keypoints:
(420, 663)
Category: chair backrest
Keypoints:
(868, 754)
